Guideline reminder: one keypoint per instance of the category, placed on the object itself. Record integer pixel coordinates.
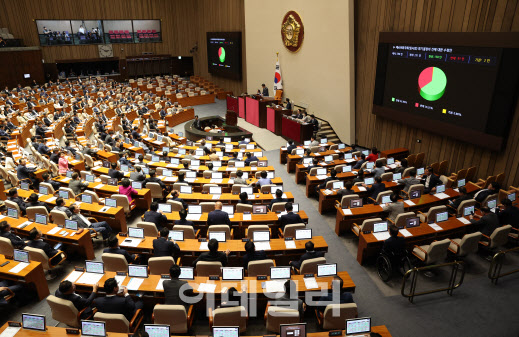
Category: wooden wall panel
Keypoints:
(374, 16)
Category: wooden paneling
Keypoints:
(18, 63)
(374, 16)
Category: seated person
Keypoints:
(60, 206)
(394, 208)
(24, 173)
(46, 179)
(430, 180)
(373, 156)
(67, 291)
(411, 180)
(239, 179)
(378, 170)
(5, 232)
(309, 254)
(32, 201)
(218, 217)
(252, 254)
(82, 222)
(492, 189)
(114, 304)
(456, 203)
(347, 190)
(375, 189)
(263, 180)
(244, 198)
(213, 254)
(114, 173)
(183, 222)
(137, 174)
(35, 241)
(231, 298)
(290, 299)
(395, 245)
(162, 246)
(359, 163)
(175, 197)
(175, 289)
(313, 141)
(336, 295)
(155, 216)
(401, 168)
(6, 287)
(290, 217)
(113, 248)
(333, 176)
(278, 198)
(509, 215)
(290, 146)
(13, 196)
(153, 179)
(76, 185)
(250, 158)
(487, 222)
(126, 189)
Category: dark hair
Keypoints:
(125, 182)
(430, 169)
(137, 168)
(183, 214)
(288, 207)
(378, 179)
(114, 165)
(152, 173)
(33, 233)
(463, 189)
(309, 246)
(249, 247)
(360, 173)
(248, 154)
(288, 286)
(333, 173)
(393, 230)
(45, 176)
(4, 225)
(244, 196)
(506, 202)
(72, 208)
(210, 166)
(110, 285)
(232, 295)
(495, 185)
(33, 197)
(154, 206)
(181, 176)
(394, 197)
(378, 163)
(164, 232)
(174, 271)
(174, 193)
(374, 150)
(412, 173)
(239, 173)
(348, 184)
(213, 245)
(279, 193)
(60, 201)
(65, 286)
(263, 174)
(113, 241)
(403, 162)
(13, 191)
(362, 156)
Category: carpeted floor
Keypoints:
(477, 308)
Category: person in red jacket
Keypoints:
(373, 156)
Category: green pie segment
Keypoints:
(432, 83)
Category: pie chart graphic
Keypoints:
(221, 54)
(432, 83)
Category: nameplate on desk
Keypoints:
(347, 211)
(335, 333)
(70, 331)
(261, 277)
(245, 240)
(14, 324)
(289, 238)
(214, 277)
(309, 275)
(120, 273)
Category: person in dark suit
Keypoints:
(492, 189)
(359, 163)
(40, 130)
(309, 254)
(114, 173)
(113, 248)
(456, 203)
(175, 289)
(196, 123)
(336, 295)
(213, 254)
(279, 198)
(13, 196)
(67, 291)
(47, 120)
(347, 190)
(250, 158)
(486, 223)
(395, 245)
(244, 198)
(153, 179)
(113, 304)
(183, 222)
(430, 180)
(5, 232)
(43, 149)
(54, 157)
(32, 201)
(333, 176)
(410, 181)
(137, 174)
(46, 179)
(35, 241)
(69, 148)
(6, 288)
(155, 216)
(135, 133)
(314, 123)
(290, 146)
(376, 188)
(252, 254)
(290, 217)
(175, 197)
(23, 173)
(290, 299)
(265, 90)
(163, 247)
(218, 217)
(509, 215)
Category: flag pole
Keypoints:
(277, 56)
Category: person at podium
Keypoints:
(265, 90)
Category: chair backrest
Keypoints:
(160, 265)
(310, 266)
(335, 315)
(266, 187)
(489, 198)
(6, 247)
(444, 166)
(280, 315)
(232, 316)
(329, 184)
(407, 171)
(236, 188)
(63, 311)
(36, 254)
(469, 244)
(207, 175)
(12, 204)
(176, 186)
(220, 228)
(58, 217)
(500, 179)
(367, 225)
(416, 187)
(431, 213)
(122, 201)
(31, 211)
(499, 236)
(260, 267)
(207, 206)
(381, 160)
(278, 207)
(419, 159)
(207, 268)
(462, 174)
(411, 159)
(71, 194)
(114, 262)
(345, 200)
(437, 251)
(176, 206)
(49, 187)
(382, 194)
(313, 171)
(471, 173)
(173, 315)
(93, 194)
(104, 178)
(255, 228)
(155, 189)
(241, 208)
(113, 322)
(189, 231)
(89, 161)
(463, 204)
(290, 230)
(13, 179)
(150, 229)
(400, 219)
(388, 176)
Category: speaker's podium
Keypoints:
(231, 118)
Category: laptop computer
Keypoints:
(358, 327)
(380, 227)
(109, 202)
(176, 235)
(12, 213)
(136, 232)
(229, 209)
(43, 190)
(187, 273)
(415, 194)
(460, 183)
(90, 178)
(93, 328)
(217, 235)
(327, 269)
(40, 219)
(86, 198)
(232, 273)
(369, 181)
(279, 273)
(303, 234)
(386, 199)
(215, 190)
(468, 210)
(273, 189)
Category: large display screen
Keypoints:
(224, 54)
(464, 92)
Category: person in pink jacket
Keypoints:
(62, 164)
(126, 189)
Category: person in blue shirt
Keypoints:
(250, 158)
(263, 180)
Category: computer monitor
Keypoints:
(186, 189)
(135, 270)
(40, 218)
(106, 164)
(86, 198)
(93, 328)
(155, 158)
(356, 326)
(347, 168)
(511, 196)
(110, 202)
(397, 176)
(492, 203)
(146, 170)
(232, 273)
(137, 185)
(157, 330)
(270, 175)
(292, 330)
(217, 163)
(21, 255)
(113, 181)
(300, 152)
(194, 209)
(175, 161)
(328, 159)
(390, 161)
(386, 199)
(307, 161)
(355, 203)
(303, 234)
(181, 151)
(216, 175)
(94, 267)
(370, 165)
(215, 190)
(273, 189)
(124, 168)
(199, 153)
(442, 216)
(248, 190)
(176, 235)
(348, 156)
(187, 273)
(415, 194)
(249, 146)
(12, 213)
(217, 235)
(63, 194)
(43, 190)
(181, 134)
(468, 210)
(166, 208)
(327, 269)
(380, 227)
(412, 222)
(228, 147)
(71, 224)
(460, 183)
(226, 331)
(338, 185)
(191, 175)
(229, 209)
(420, 171)
(261, 236)
(165, 149)
(295, 208)
(320, 171)
(136, 232)
(279, 273)
(323, 141)
(90, 178)
(69, 174)
(440, 188)
(365, 152)
(33, 322)
(227, 140)
(78, 157)
(195, 162)
(259, 209)
(369, 181)
(167, 173)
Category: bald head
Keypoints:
(218, 205)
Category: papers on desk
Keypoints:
(381, 236)
(253, 168)
(262, 245)
(231, 181)
(322, 164)
(216, 181)
(131, 242)
(435, 227)
(170, 179)
(456, 190)
(26, 223)
(65, 180)
(464, 221)
(310, 283)
(192, 217)
(99, 186)
(362, 188)
(135, 283)
(405, 232)
(327, 192)
(441, 195)
(105, 209)
(290, 244)
(2, 216)
(284, 196)
(306, 165)
(247, 217)
(160, 286)
(393, 166)
(90, 278)
(215, 197)
(347, 211)
(206, 288)
(152, 163)
(18, 268)
(317, 154)
(203, 246)
(74, 276)
(409, 203)
(321, 176)
(349, 160)
(171, 166)
(275, 286)
(119, 279)
(54, 230)
(51, 199)
(190, 180)
(10, 331)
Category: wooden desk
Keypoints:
(399, 153)
(196, 100)
(296, 131)
(111, 157)
(32, 275)
(292, 160)
(181, 117)
(229, 198)
(275, 118)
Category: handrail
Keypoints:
(450, 288)
(494, 272)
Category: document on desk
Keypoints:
(215, 197)
(203, 246)
(119, 279)
(190, 180)
(262, 245)
(275, 286)
(216, 181)
(327, 192)
(18, 268)
(131, 242)
(321, 176)
(135, 283)
(2, 216)
(90, 278)
(464, 221)
(26, 223)
(247, 217)
(170, 179)
(72, 277)
(206, 288)
(290, 244)
(409, 203)
(362, 188)
(10, 331)
(381, 236)
(192, 217)
(435, 227)
(65, 180)
(310, 283)
(253, 168)
(51, 199)
(441, 195)
(54, 230)
(231, 181)
(347, 211)
(405, 232)
(160, 286)
(99, 186)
